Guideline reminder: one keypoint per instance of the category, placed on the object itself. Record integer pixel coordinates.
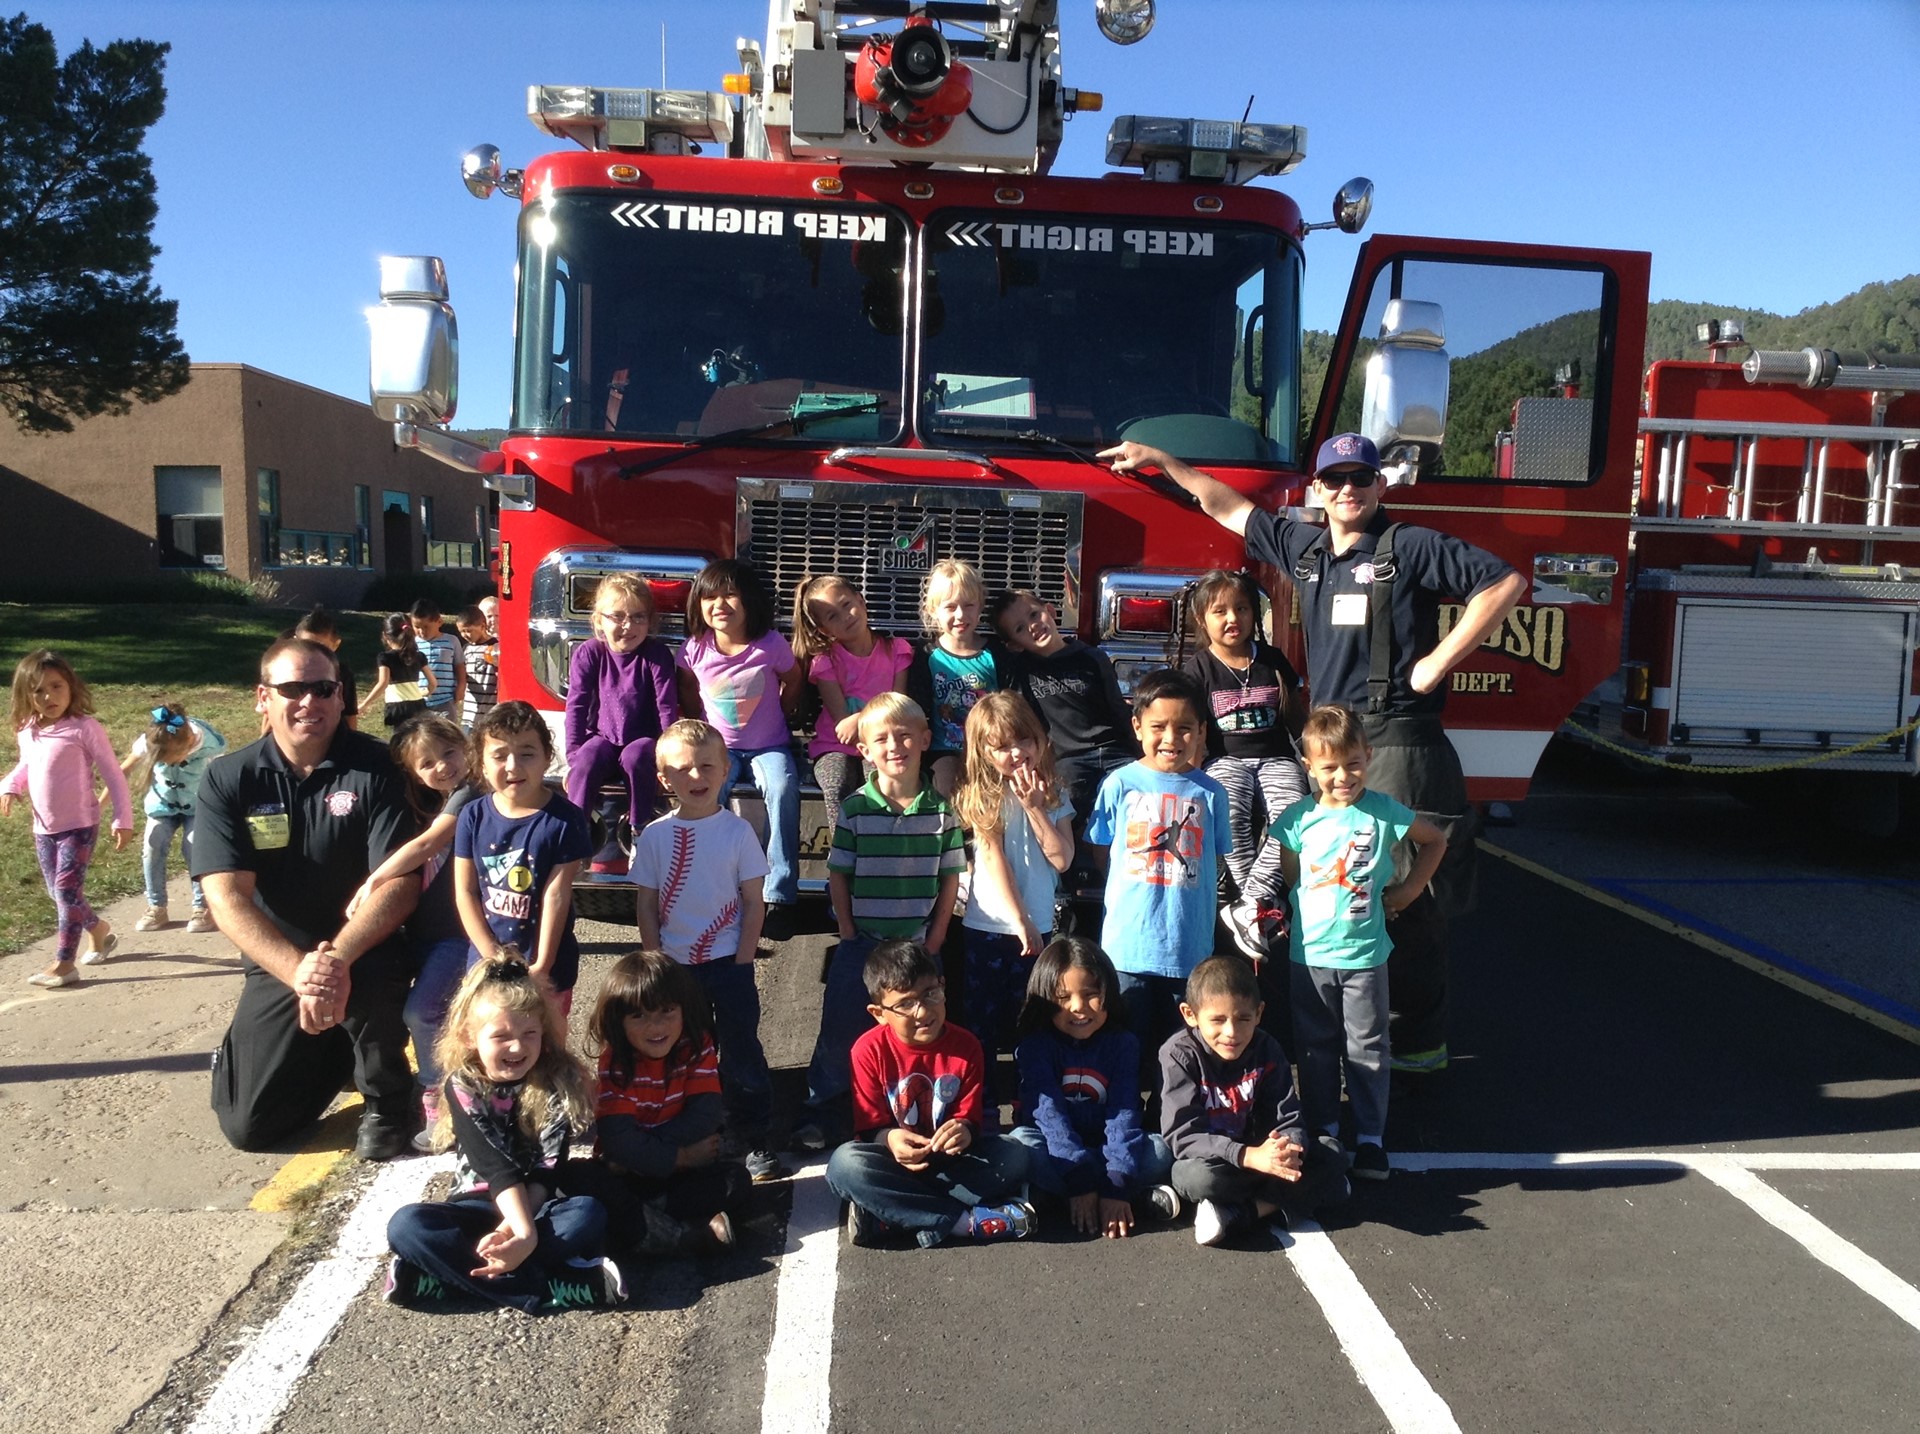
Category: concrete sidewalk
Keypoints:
(126, 1222)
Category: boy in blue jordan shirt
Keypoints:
(1165, 823)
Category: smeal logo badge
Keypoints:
(910, 552)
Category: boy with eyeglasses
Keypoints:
(920, 1164)
(1363, 560)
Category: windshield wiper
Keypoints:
(1030, 437)
(798, 422)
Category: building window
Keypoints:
(191, 522)
(300, 549)
(363, 523)
(445, 552)
(267, 500)
(393, 502)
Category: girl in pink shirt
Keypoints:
(850, 664)
(62, 747)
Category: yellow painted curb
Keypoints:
(313, 1164)
(1746, 959)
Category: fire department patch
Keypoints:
(340, 804)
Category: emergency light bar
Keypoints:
(657, 121)
(1214, 151)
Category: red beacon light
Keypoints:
(914, 82)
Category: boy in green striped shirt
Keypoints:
(893, 872)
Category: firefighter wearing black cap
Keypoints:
(1370, 591)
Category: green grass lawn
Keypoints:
(135, 656)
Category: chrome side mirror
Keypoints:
(480, 171)
(415, 372)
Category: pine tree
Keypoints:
(83, 329)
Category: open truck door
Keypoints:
(1501, 383)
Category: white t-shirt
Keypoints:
(1033, 875)
(697, 867)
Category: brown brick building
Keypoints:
(243, 472)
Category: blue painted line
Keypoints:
(1758, 880)
(1839, 985)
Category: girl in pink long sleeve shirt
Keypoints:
(62, 747)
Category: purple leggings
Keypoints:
(596, 761)
(64, 858)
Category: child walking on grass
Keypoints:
(171, 756)
(63, 750)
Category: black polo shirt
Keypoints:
(1431, 568)
(309, 842)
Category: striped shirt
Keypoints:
(443, 655)
(657, 1091)
(895, 859)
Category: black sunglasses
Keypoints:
(324, 688)
(1356, 477)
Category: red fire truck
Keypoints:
(843, 317)
(1775, 593)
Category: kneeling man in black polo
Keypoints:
(286, 831)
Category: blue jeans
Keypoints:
(440, 1239)
(442, 967)
(843, 1020)
(1152, 1004)
(777, 776)
(744, 1079)
(1046, 1171)
(158, 841)
(985, 1173)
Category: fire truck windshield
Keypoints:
(686, 316)
(1092, 329)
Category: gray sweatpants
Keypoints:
(1342, 1015)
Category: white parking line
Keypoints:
(1411, 1404)
(1820, 1241)
(800, 1356)
(258, 1385)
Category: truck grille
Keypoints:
(884, 537)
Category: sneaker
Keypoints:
(1214, 1220)
(153, 919)
(99, 947)
(1163, 1203)
(610, 860)
(1255, 928)
(413, 1288)
(200, 922)
(1370, 1162)
(808, 1136)
(1014, 1220)
(588, 1285)
(864, 1228)
(764, 1167)
(429, 1117)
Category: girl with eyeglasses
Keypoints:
(170, 757)
(62, 747)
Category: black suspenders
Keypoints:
(1379, 610)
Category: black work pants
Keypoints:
(271, 1079)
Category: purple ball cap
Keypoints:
(1346, 450)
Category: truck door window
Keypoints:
(1091, 329)
(1525, 343)
(685, 315)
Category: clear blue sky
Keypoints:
(1762, 151)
